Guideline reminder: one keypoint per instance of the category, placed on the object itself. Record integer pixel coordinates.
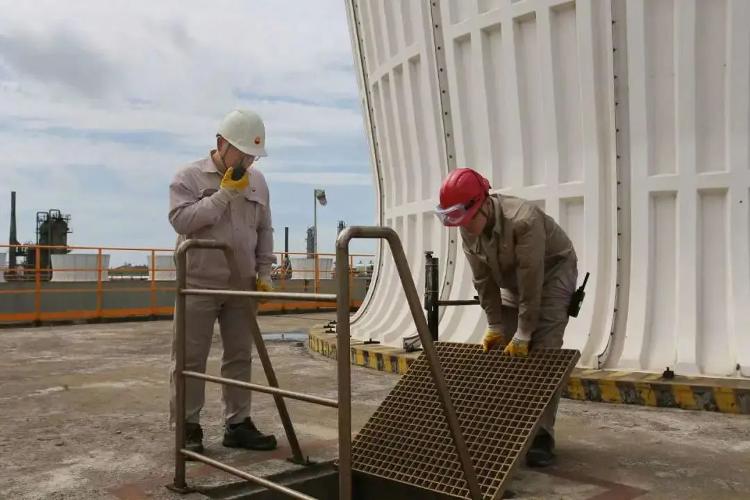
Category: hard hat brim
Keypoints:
(253, 150)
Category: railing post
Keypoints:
(316, 286)
(412, 298)
(351, 280)
(343, 300)
(179, 380)
(344, 367)
(342, 333)
(152, 300)
(99, 284)
(37, 283)
(286, 421)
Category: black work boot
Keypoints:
(540, 454)
(193, 438)
(246, 435)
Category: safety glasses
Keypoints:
(455, 215)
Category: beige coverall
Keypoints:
(527, 255)
(199, 209)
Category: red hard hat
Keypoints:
(461, 195)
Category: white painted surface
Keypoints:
(303, 268)
(79, 267)
(531, 93)
(164, 269)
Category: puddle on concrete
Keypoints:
(286, 336)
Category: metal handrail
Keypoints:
(181, 454)
(343, 347)
(300, 396)
(322, 297)
(150, 283)
(244, 475)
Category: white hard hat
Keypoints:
(244, 130)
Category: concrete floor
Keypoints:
(85, 416)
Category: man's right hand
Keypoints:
(493, 338)
(232, 185)
(517, 348)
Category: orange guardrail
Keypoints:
(96, 290)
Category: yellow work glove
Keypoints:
(491, 339)
(517, 347)
(232, 185)
(263, 285)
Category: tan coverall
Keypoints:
(199, 209)
(526, 254)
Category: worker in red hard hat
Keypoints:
(513, 246)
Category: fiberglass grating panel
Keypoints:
(498, 399)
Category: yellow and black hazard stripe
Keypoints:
(637, 388)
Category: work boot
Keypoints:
(193, 438)
(246, 435)
(540, 454)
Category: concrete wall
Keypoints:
(120, 299)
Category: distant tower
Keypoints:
(310, 242)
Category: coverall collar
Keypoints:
(215, 166)
(495, 231)
(490, 214)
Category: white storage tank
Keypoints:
(164, 269)
(303, 268)
(79, 267)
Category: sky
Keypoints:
(102, 102)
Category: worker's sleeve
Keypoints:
(487, 289)
(264, 255)
(189, 213)
(530, 249)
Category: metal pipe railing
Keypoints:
(248, 477)
(181, 454)
(264, 388)
(321, 297)
(39, 282)
(343, 348)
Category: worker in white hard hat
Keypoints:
(206, 202)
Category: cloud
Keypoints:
(198, 54)
(321, 178)
(101, 102)
(60, 57)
